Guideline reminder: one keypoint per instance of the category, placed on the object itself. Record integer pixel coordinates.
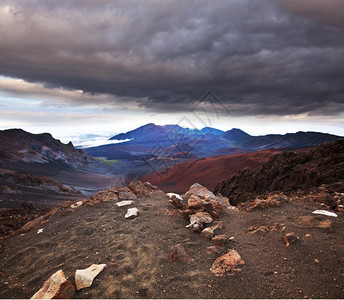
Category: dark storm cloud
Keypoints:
(258, 56)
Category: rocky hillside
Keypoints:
(289, 171)
(158, 246)
(19, 145)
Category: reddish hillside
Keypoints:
(207, 171)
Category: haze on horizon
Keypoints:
(74, 68)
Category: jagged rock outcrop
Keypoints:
(288, 171)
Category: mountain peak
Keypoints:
(212, 130)
(235, 134)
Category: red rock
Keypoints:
(203, 201)
(290, 238)
(220, 239)
(227, 263)
(141, 189)
(31, 224)
(178, 253)
(211, 250)
(207, 233)
(194, 202)
(56, 287)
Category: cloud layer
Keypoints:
(259, 57)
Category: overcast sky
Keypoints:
(102, 67)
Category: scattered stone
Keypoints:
(125, 203)
(254, 229)
(103, 196)
(207, 233)
(211, 250)
(39, 231)
(308, 235)
(290, 238)
(270, 201)
(317, 260)
(195, 203)
(198, 204)
(56, 287)
(126, 194)
(224, 201)
(178, 253)
(325, 213)
(220, 240)
(176, 199)
(171, 195)
(227, 263)
(132, 213)
(84, 278)
(76, 204)
(200, 191)
(264, 229)
(197, 220)
(141, 189)
(31, 224)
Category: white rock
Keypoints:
(76, 204)
(124, 203)
(174, 194)
(39, 231)
(84, 278)
(132, 213)
(325, 213)
(57, 286)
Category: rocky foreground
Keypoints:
(146, 244)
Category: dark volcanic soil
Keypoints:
(137, 253)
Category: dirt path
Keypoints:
(137, 253)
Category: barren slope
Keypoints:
(206, 171)
(137, 253)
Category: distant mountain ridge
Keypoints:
(151, 148)
(235, 137)
(299, 139)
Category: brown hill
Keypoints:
(206, 171)
(289, 171)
